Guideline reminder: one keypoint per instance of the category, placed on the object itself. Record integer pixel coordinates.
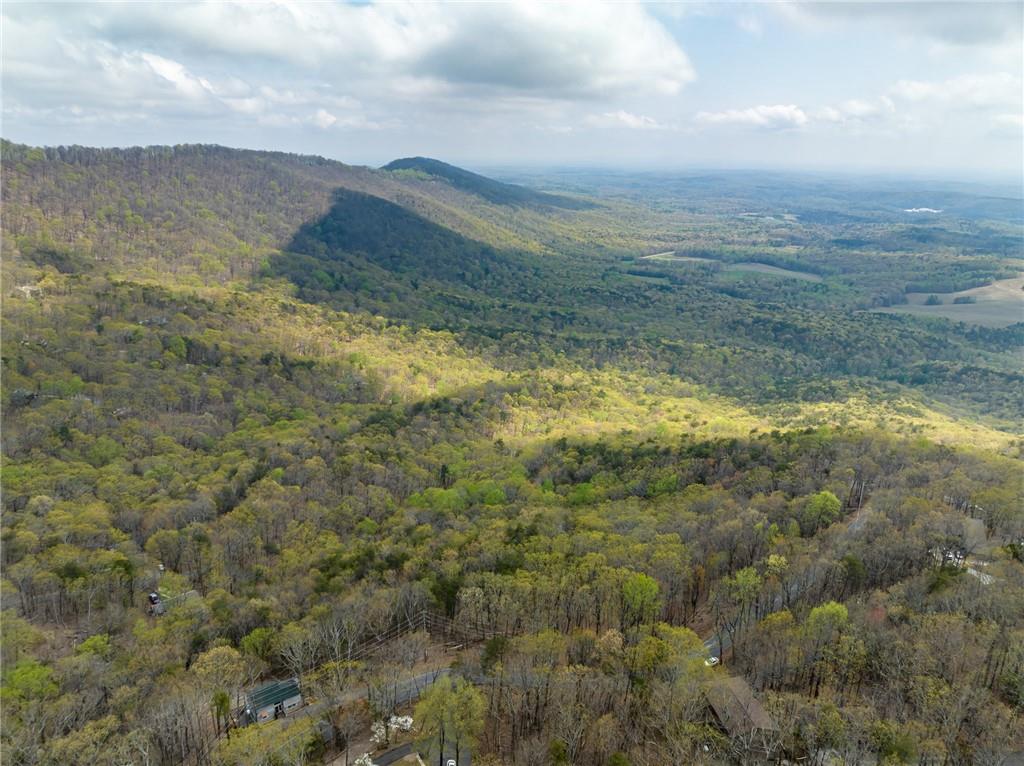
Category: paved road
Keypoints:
(396, 754)
(392, 755)
(411, 688)
(714, 648)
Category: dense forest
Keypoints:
(358, 426)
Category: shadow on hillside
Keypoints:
(370, 253)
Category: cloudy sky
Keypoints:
(919, 87)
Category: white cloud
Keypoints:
(771, 117)
(334, 65)
(990, 32)
(1009, 120)
(962, 24)
(997, 90)
(624, 119)
(856, 110)
(829, 114)
(860, 109)
(48, 65)
(550, 50)
(250, 105)
(478, 81)
(908, 106)
(175, 73)
(750, 24)
(560, 51)
(324, 119)
(1008, 126)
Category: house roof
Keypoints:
(272, 693)
(734, 703)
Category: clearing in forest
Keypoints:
(999, 304)
(751, 266)
(778, 271)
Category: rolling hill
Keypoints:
(448, 256)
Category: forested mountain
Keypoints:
(313, 407)
(439, 258)
(491, 190)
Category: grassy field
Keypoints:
(671, 256)
(996, 305)
(764, 268)
(758, 268)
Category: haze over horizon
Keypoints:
(922, 88)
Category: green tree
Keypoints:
(220, 704)
(30, 679)
(259, 643)
(639, 599)
(451, 716)
(829, 732)
(893, 742)
(820, 510)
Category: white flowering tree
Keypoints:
(381, 733)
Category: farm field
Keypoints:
(764, 268)
(748, 266)
(999, 304)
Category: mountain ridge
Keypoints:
(494, 191)
(431, 255)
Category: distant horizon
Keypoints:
(923, 88)
(483, 167)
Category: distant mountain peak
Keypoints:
(493, 191)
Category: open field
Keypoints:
(671, 256)
(999, 304)
(764, 268)
(751, 266)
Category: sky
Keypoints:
(922, 88)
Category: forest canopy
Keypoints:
(313, 407)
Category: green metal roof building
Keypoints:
(272, 700)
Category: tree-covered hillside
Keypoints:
(316, 407)
(491, 190)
